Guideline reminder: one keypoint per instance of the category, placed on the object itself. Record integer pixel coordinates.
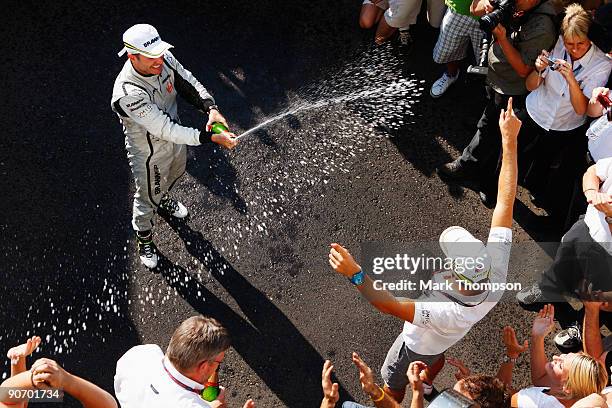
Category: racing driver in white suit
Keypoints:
(144, 98)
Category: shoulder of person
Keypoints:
(591, 401)
(540, 24)
(533, 397)
(170, 59)
(151, 350)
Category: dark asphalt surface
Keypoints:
(254, 252)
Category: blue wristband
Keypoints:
(358, 278)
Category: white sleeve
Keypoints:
(138, 107)
(603, 168)
(595, 79)
(440, 316)
(499, 245)
(534, 397)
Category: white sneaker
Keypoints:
(173, 207)
(147, 252)
(442, 85)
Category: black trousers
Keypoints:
(550, 162)
(580, 262)
(481, 155)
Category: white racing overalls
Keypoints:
(154, 138)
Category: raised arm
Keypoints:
(591, 333)
(509, 125)
(542, 325)
(513, 351)
(512, 54)
(342, 262)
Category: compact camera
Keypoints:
(552, 64)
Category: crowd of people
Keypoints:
(546, 126)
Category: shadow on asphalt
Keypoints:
(267, 340)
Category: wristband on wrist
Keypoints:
(589, 189)
(382, 395)
(358, 278)
(213, 107)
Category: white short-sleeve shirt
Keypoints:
(141, 381)
(549, 105)
(440, 323)
(599, 229)
(536, 397)
(599, 136)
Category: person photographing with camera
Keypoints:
(530, 28)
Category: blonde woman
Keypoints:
(563, 381)
(553, 124)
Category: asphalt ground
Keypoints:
(254, 251)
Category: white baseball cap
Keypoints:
(471, 261)
(143, 39)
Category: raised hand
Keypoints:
(462, 370)
(544, 321)
(366, 377)
(416, 375)
(342, 261)
(509, 124)
(24, 350)
(330, 390)
(513, 348)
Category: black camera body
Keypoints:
(504, 10)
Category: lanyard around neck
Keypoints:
(180, 384)
(574, 70)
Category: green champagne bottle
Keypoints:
(211, 390)
(218, 127)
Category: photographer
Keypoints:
(511, 58)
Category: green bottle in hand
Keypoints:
(211, 390)
(218, 127)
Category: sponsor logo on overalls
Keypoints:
(157, 179)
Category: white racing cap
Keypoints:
(471, 261)
(143, 39)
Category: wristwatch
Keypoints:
(608, 219)
(358, 278)
(213, 107)
(508, 359)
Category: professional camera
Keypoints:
(504, 9)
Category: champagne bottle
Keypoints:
(211, 389)
(218, 127)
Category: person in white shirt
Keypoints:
(599, 134)
(564, 380)
(552, 137)
(441, 318)
(146, 378)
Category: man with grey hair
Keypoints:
(145, 377)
